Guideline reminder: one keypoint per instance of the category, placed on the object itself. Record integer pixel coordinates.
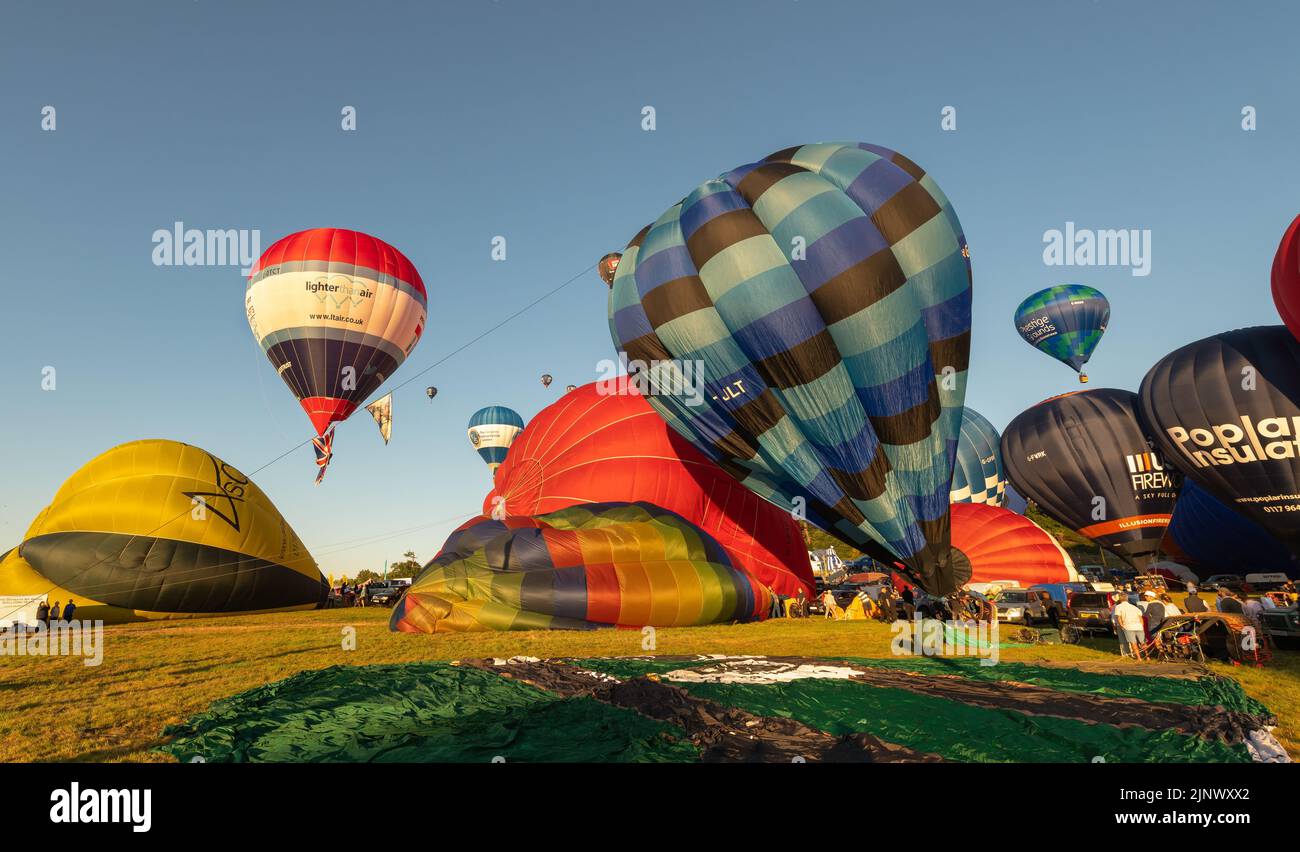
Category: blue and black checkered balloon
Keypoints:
(805, 321)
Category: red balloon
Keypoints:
(1286, 278)
(603, 443)
(1002, 545)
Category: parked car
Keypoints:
(383, 594)
(1231, 582)
(1283, 623)
(1020, 606)
(1266, 582)
(1090, 611)
(1059, 596)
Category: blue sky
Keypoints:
(524, 120)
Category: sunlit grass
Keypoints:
(55, 708)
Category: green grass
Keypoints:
(154, 674)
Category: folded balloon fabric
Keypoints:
(597, 565)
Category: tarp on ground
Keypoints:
(729, 708)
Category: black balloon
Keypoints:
(1087, 462)
(1226, 410)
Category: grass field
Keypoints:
(154, 674)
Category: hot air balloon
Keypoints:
(159, 529)
(492, 430)
(1065, 321)
(604, 443)
(805, 322)
(1207, 535)
(1001, 545)
(977, 475)
(570, 388)
(546, 380)
(1226, 410)
(599, 565)
(1286, 278)
(607, 266)
(431, 392)
(336, 312)
(1086, 461)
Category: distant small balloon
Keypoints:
(546, 380)
(608, 265)
(430, 392)
(570, 388)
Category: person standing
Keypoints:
(43, 612)
(1153, 612)
(54, 612)
(70, 611)
(1193, 602)
(1129, 625)
(1230, 603)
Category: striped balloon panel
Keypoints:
(1065, 321)
(603, 564)
(336, 312)
(977, 475)
(821, 299)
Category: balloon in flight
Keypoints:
(491, 432)
(1065, 321)
(607, 266)
(824, 293)
(336, 312)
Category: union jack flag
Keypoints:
(323, 445)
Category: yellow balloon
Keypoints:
(162, 529)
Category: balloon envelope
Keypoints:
(1226, 410)
(1085, 460)
(336, 312)
(160, 529)
(608, 265)
(491, 432)
(1207, 535)
(604, 443)
(1286, 278)
(602, 564)
(1001, 545)
(1065, 321)
(977, 475)
(805, 322)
